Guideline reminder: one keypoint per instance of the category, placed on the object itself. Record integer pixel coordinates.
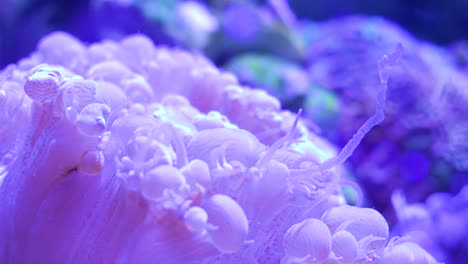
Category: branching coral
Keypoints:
(145, 154)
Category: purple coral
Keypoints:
(439, 225)
(143, 154)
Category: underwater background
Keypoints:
(24, 22)
(320, 62)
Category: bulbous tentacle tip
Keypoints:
(197, 172)
(230, 220)
(92, 120)
(196, 219)
(406, 252)
(77, 93)
(156, 181)
(42, 83)
(310, 238)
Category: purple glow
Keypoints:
(414, 166)
(131, 152)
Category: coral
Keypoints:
(420, 110)
(438, 225)
(129, 152)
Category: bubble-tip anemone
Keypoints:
(158, 156)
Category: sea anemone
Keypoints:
(126, 152)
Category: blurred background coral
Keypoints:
(24, 22)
